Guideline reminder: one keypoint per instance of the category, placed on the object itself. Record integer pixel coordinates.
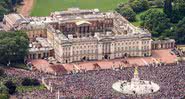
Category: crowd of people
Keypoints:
(98, 84)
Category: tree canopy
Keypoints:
(13, 46)
(167, 21)
(130, 9)
(168, 7)
(7, 6)
(179, 32)
(139, 5)
(127, 12)
(174, 9)
(11, 87)
(155, 21)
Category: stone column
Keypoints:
(162, 46)
(106, 48)
(58, 94)
(159, 46)
(83, 29)
(86, 33)
(112, 46)
(71, 54)
(171, 45)
(77, 32)
(166, 45)
(109, 47)
(100, 51)
(88, 29)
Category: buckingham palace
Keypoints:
(76, 35)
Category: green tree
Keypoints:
(179, 32)
(179, 5)
(7, 6)
(139, 5)
(2, 72)
(178, 10)
(168, 7)
(3, 91)
(4, 96)
(2, 12)
(11, 87)
(30, 82)
(155, 21)
(127, 12)
(15, 2)
(159, 3)
(13, 47)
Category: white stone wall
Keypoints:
(93, 50)
(77, 51)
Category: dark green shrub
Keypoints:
(2, 72)
(11, 87)
(30, 82)
(4, 96)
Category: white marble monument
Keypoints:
(136, 86)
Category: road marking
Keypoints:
(76, 66)
(144, 61)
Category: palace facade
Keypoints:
(77, 35)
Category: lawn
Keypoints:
(45, 7)
(21, 89)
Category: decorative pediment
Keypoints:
(82, 22)
(66, 43)
(106, 39)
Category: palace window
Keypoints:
(126, 48)
(137, 47)
(84, 51)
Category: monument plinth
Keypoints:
(136, 86)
